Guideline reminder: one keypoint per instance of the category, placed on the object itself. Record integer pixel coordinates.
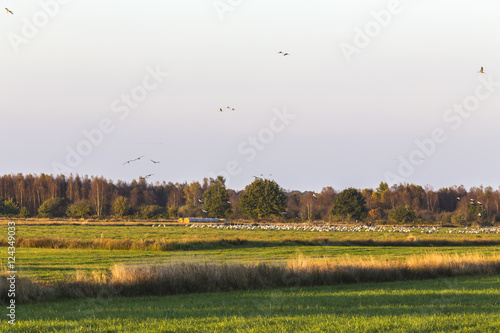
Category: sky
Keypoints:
(370, 91)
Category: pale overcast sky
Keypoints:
(370, 91)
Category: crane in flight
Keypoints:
(135, 159)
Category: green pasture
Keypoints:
(48, 264)
(465, 304)
(27, 229)
(57, 264)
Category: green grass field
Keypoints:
(137, 232)
(50, 264)
(465, 304)
(57, 264)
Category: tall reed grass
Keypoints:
(177, 278)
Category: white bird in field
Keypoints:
(314, 196)
(200, 200)
(481, 70)
(204, 211)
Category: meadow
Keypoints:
(462, 304)
(52, 251)
(84, 258)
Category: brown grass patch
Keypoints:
(178, 278)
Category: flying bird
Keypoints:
(147, 176)
(136, 159)
(220, 109)
(481, 70)
(154, 161)
(9, 11)
(285, 54)
(256, 177)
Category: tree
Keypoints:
(149, 211)
(10, 207)
(55, 207)
(349, 205)
(193, 192)
(216, 199)
(79, 209)
(476, 213)
(263, 198)
(402, 214)
(121, 206)
(307, 204)
(24, 213)
(375, 214)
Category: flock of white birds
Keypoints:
(357, 228)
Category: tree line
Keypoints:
(49, 196)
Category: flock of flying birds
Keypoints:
(220, 110)
(137, 159)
